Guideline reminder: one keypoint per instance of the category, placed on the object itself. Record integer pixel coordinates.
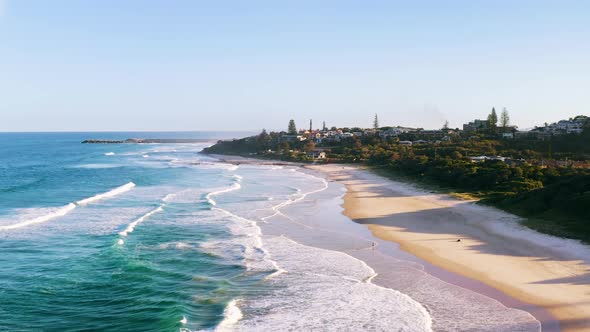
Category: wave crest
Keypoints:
(62, 211)
(209, 197)
(131, 227)
(111, 193)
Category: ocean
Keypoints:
(158, 237)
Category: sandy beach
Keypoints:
(534, 268)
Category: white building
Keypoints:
(395, 131)
(572, 126)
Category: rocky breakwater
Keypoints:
(145, 141)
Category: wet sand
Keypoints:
(456, 302)
(494, 249)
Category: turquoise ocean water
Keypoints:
(65, 265)
(158, 237)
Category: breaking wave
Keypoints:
(52, 213)
(108, 194)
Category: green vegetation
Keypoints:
(560, 208)
(493, 119)
(278, 146)
(504, 118)
(292, 128)
(547, 181)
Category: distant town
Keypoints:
(543, 173)
(473, 130)
(315, 144)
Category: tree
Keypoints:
(493, 120)
(263, 139)
(324, 126)
(309, 146)
(284, 147)
(504, 118)
(456, 155)
(376, 122)
(446, 125)
(292, 128)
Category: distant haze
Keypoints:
(247, 65)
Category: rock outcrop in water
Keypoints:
(101, 141)
(145, 141)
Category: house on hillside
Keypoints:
(317, 154)
(561, 127)
(428, 135)
(538, 133)
(481, 159)
(370, 132)
(566, 127)
(395, 131)
(293, 138)
(475, 126)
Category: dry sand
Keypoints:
(535, 268)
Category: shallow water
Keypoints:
(158, 237)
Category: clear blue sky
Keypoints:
(213, 65)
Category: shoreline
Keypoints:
(425, 225)
(383, 258)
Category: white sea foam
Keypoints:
(109, 154)
(213, 165)
(52, 213)
(327, 287)
(231, 315)
(191, 195)
(322, 288)
(55, 213)
(209, 197)
(313, 286)
(245, 245)
(176, 245)
(300, 196)
(108, 194)
(131, 227)
(98, 166)
(169, 197)
(453, 308)
(182, 246)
